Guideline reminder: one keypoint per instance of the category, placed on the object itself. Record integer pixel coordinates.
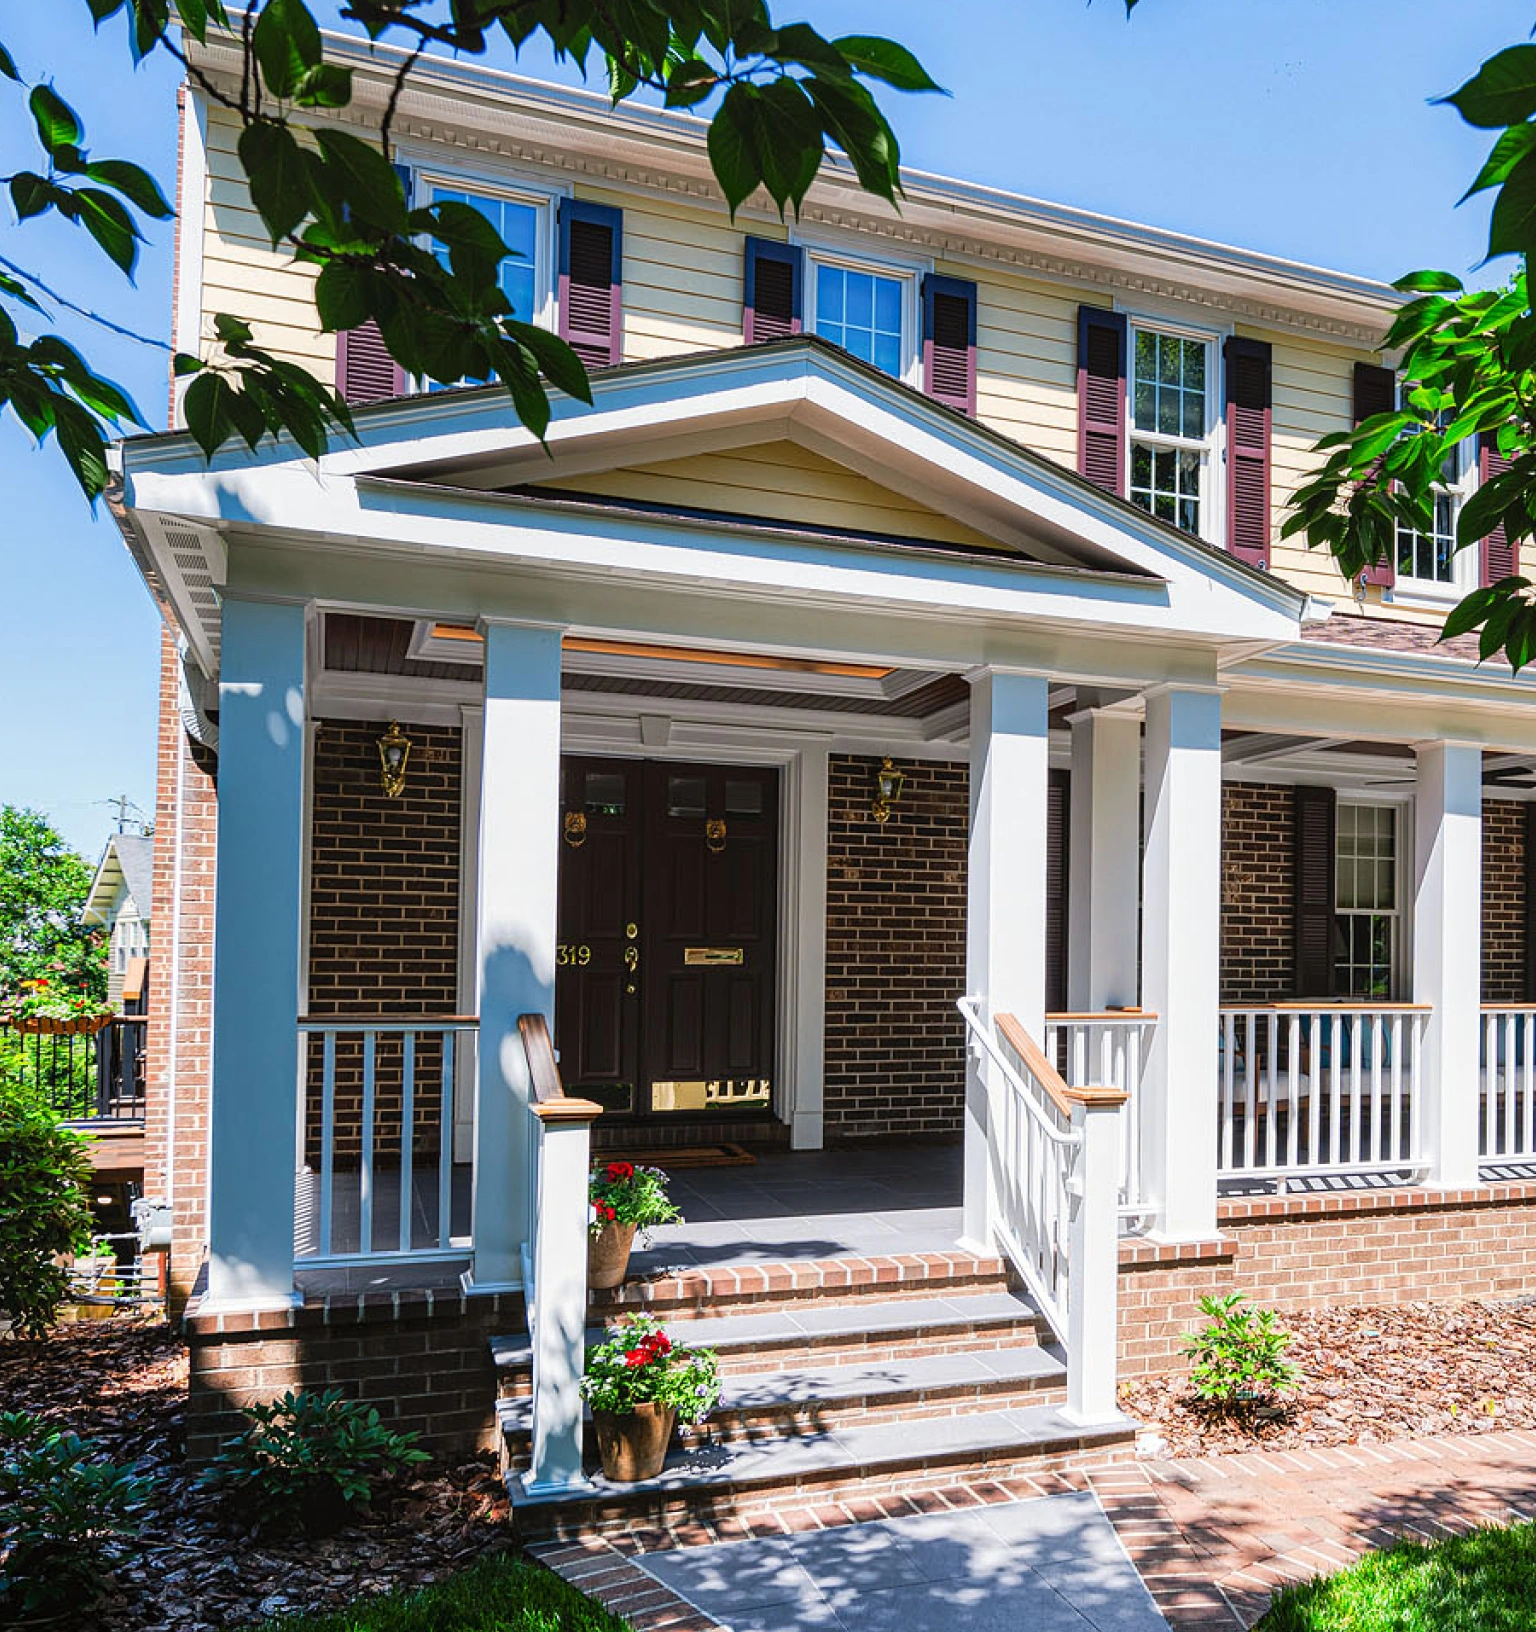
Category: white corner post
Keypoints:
(557, 1306)
(258, 910)
(1104, 860)
(1447, 955)
(1181, 959)
(1093, 1305)
(518, 863)
(1005, 896)
(806, 944)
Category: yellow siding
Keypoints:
(1026, 362)
(780, 481)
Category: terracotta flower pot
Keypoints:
(633, 1444)
(608, 1255)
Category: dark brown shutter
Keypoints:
(591, 292)
(1497, 557)
(1248, 397)
(949, 341)
(1314, 812)
(1376, 393)
(772, 283)
(1529, 872)
(1058, 808)
(365, 371)
(1101, 397)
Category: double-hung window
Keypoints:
(869, 310)
(1366, 909)
(1172, 428)
(1429, 563)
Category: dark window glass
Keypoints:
(685, 796)
(604, 793)
(743, 798)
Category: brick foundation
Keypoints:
(1257, 893)
(1504, 901)
(895, 1054)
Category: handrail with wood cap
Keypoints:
(1046, 1074)
(1063, 1017)
(385, 1022)
(551, 1103)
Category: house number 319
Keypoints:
(572, 957)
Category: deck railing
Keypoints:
(377, 1180)
(1054, 1156)
(1109, 1048)
(80, 1076)
(1507, 1112)
(1309, 1089)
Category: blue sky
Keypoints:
(1301, 127)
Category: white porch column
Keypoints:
(519, 860)
(1104, 861)
(1005, 892)
(806, 942)
(258, 912)
(1447, 954)
(1181, 955)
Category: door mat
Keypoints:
(674, 1158)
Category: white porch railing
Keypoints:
(376, 1174)
(1313, 1089)
(1109, 1048)
(1507, 1115)
(1054, 1157)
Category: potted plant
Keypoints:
(47, 1009)
(624, 1198)
(640, 1384)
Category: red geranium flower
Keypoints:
(620, 1170)
(637, 1357)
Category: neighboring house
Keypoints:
(119, 902)
(971, 513)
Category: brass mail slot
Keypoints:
(713, 956)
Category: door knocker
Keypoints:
(575, 828)
(714, 835)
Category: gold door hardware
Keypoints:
(576, 828)
(632, 964)
(713, 957)
(714, 835)
(631, 931)
(570, 956)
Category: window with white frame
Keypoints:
(1172, 427)
(869, 310)
(1430, 561)
(1366, 910)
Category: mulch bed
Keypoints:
(1368, 1375)
(124, 1384)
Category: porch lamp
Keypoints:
(888, 785)
(394, 751)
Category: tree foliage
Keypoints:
(43, 887)
(780, 95)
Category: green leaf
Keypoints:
(1512, 228)
(1468, 614)
(733, 148)
(206, 409)
(341, 296)
(184, 363)
(560, 364)
(136, 185)
(1428, 283)
(367, 180)
(1501, 92)
(31, 194)
(326, 85)
(287, 42)
(277, 175)
(109, 223)
(1512, 146)
(8, 65)
(57, 125)
(194, 18)
(83, 445)
(879, 58)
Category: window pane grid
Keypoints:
(1168, 427)
(1365, 899)
(518, 224)
(862, 312)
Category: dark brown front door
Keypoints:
(665, 980)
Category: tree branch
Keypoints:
(83, 311)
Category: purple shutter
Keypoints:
(1058, 808)
(1497, 557)
(1248, 388)
(949, 342)
(1530, 902)
(1376, 393)
(773, 281)
(1101, 397)
(365, 371)
(1314, 818)
(591, 293)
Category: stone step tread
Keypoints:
(857, 1450)
(863, 1382)
(813, 1323)
(796, 1277)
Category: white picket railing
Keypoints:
(1507, 1120)
(1313, 1089)
(1054, 1161)
(376, 1174)
(1108, 1049)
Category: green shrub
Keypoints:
(310, 1459)
(1240, 1355)
(65, 1513)
(45, 1212)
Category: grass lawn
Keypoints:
(496, 1595)
(1484, 1581)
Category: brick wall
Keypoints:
(1503, 901)
(895, 1057)
(180, 1032)
(1257, 951)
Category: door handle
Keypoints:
(632, 964)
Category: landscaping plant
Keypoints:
(45, 1212)
(640, 1364)
(622, 1193)
(310, 1459)
(65, 1513)
(1240, 1356)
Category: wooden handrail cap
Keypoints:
(567, 1110)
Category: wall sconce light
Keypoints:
(394, 751)
(888, 785)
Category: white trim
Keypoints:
(851, 251)
(471, 734)
(191, 214)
